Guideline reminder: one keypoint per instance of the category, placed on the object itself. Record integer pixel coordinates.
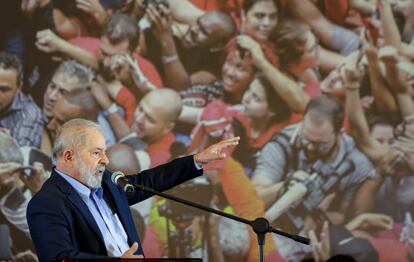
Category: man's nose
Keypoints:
(104, 160)
(54, 95)
(311, 147)
(266, 21)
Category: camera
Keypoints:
(27, 170)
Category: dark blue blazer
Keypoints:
(62, 226)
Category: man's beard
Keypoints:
(90, 176)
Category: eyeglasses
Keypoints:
(319, 146)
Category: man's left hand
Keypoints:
(215, 152)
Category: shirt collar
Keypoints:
(83, 191)
(18, 102)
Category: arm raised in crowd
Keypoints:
(384, 99)
(364, 200)
(49, 42)
(294, 95)
(359, 126)
(175, 74)
(308, 12)
(392, 35)
(397, 77)
(118, 124)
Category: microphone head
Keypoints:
(128, 188)
(116, 175)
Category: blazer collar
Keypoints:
(118, 198)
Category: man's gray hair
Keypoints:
(9, 149)
(73, 134)
(71, 68)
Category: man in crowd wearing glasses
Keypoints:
(317, 139)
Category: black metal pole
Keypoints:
(260, 225)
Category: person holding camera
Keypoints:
(312, 154)
(18, 182)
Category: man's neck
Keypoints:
(5, 110)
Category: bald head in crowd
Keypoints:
(122, 158)
(156, 114)
(213, 29)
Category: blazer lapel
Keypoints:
(122, 208)
(77, 201)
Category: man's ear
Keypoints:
(68, 156)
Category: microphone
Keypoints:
(120, 179)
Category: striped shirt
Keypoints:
(24, 120)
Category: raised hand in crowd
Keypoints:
(253, 48)
(48, 41)
(334, 83)
(367, 220)
(161, 20)
(398, 78)
(127, 70)
(29, 6)
(352, 75)
(290, 90)
(93, 8)
(321, 248)
(382, 98)
(8, 174)
(389, 56)
(36, 180)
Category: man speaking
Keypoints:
(80, 213)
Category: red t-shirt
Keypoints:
(124, 98)
(159, 151)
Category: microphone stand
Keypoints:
(260, 225)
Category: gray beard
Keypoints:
(89, 176)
